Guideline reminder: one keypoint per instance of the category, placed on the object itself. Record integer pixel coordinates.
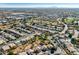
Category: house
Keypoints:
(76, 22)
(12, 45)
(1, 41)
(5, 48)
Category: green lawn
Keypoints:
(69, 20)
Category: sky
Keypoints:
(39, 1)
(39, 5)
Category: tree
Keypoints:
(73, 41)
(0, 30)
(70, 35)
(64, 46)
(36, 37)
(43, 36)
(10, 53)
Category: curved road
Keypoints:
(65, 28)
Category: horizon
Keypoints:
(39, 5)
